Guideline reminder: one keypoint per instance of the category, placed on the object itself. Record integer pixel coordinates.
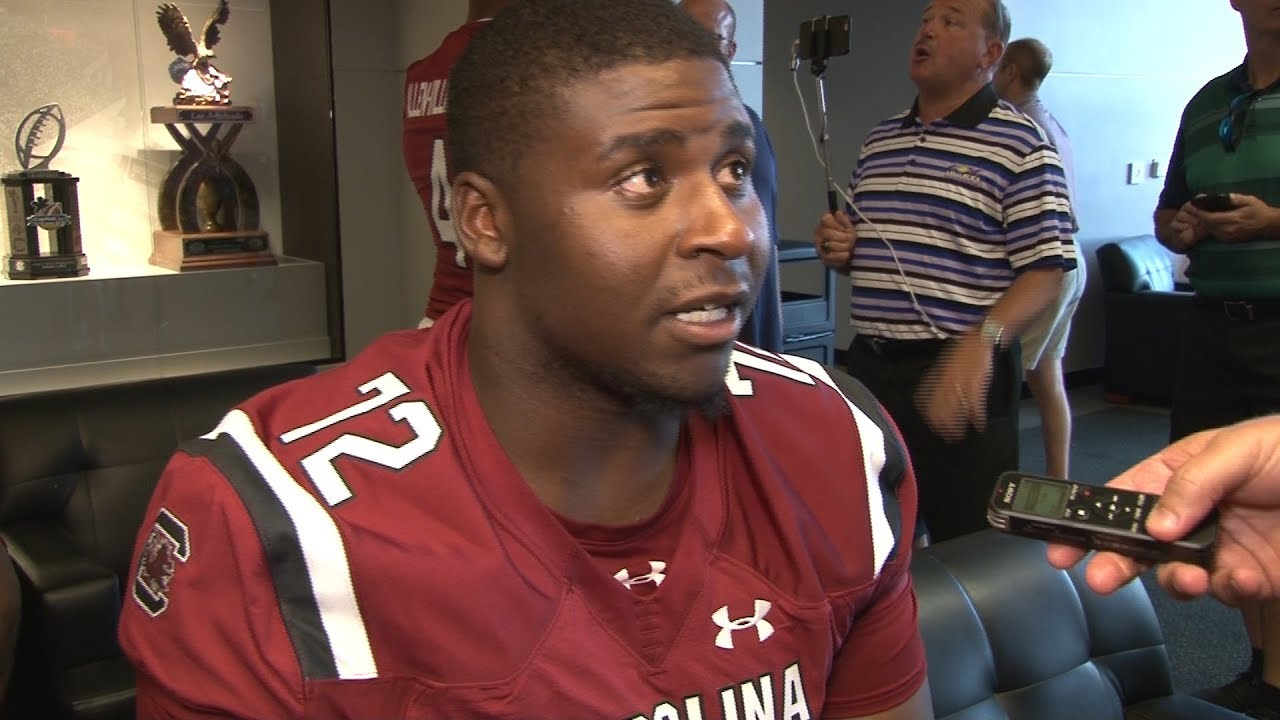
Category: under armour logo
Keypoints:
(655, 575)
(764, 629)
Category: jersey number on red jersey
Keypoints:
(385, 388)
(441, 196)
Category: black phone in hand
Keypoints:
(1215, 202)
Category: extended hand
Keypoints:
(1236, 469)
(953, 394)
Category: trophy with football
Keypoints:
(208, 206)
(41, 203)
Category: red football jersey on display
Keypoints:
(357, 544)
(426, 91)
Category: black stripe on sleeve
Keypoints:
(895, 464)
(283, 549)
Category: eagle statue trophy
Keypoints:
(201, 83)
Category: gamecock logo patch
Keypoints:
(168, 545)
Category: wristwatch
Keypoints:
(991, 331)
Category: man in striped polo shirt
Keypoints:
(1229, 143)
(957, 237)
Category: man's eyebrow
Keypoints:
(737, 132)
(734, 132)
(642, 141)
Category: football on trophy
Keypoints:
(40, 137)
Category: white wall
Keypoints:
(1118, 87)
(367, 83)
(748, 64)
(1123, 71)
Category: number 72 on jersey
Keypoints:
(384, 390)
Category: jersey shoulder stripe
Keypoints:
(305, 553)
(883, 457)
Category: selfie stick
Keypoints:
(820, 53)
(819, 68)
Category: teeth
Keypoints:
(709, 313)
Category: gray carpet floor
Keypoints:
(1206, 640)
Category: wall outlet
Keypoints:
(1137, 171)
(1156, 169)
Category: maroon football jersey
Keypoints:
(356, 544)
(426, 90)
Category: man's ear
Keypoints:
(991, 58)
(479, 211)
(1015, 73)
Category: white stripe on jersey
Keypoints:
(873, 461)
(322, 550)
(746, 359)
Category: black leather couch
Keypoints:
(1007, 635)
(77, 468)
(1145, 313)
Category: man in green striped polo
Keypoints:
(1229, 144)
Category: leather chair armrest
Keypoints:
(1179, 707)
(1166, 296)
(104, 690)
(48, 558)
(10, 614)
(70, 602)
(1143, 337)
(1164, 299)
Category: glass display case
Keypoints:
(106, 65)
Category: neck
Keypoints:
(585, 455)
(936, 103)
(1020, 96)
(1264, 59)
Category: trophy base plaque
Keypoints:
(19, 267)
(211, 250)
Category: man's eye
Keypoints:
(642, 182)
(735, 173)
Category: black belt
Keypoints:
(1246, 310)
(889, 347)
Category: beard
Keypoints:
(638, 395)
(634, 393)
(646, 397)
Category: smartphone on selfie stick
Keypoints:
(820, 40)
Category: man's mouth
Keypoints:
(708, 314)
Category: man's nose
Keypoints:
(718, 222)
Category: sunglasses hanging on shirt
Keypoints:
(1231, 128)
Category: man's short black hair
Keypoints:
(504, 91)
(1032, 58)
